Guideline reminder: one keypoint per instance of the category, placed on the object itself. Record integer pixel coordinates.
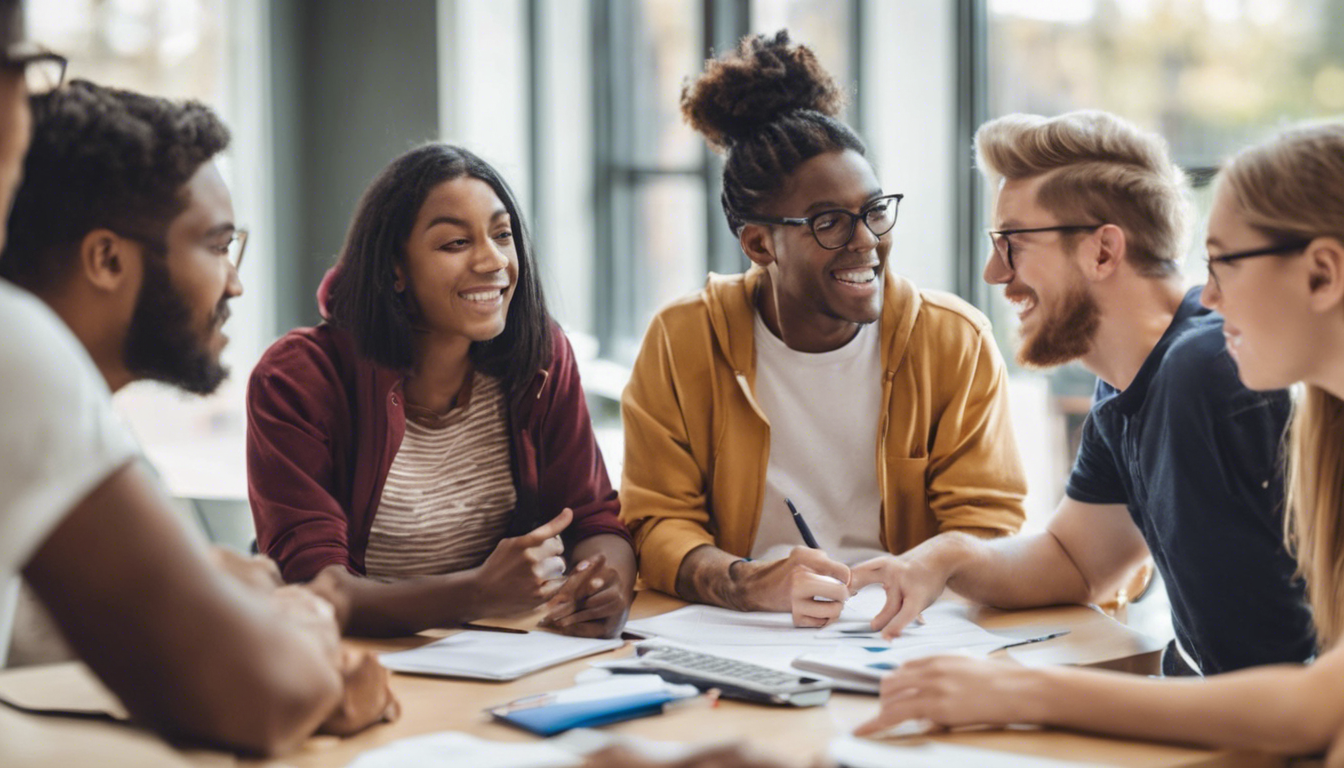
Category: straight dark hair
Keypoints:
(363, 300)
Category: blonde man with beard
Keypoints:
(1178, 459)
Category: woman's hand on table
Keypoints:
(950, 691)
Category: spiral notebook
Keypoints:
(494, 655)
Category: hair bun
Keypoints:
(764, 78)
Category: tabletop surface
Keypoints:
(794, 736)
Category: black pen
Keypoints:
(798, 520)
(492, 628)
(1031, 640)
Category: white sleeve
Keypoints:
(59, 438)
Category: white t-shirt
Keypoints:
(59, 437)
(824, 411)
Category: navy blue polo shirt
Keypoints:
(1195, 456)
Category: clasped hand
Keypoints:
(524, 571)
(527, 571)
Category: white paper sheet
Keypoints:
(852, 752)
(494, 655)
(453, 750)
(946, 627)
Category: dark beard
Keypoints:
(161, 343)
(1064, 336)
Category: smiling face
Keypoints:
(176, 333)
(825, 293)
(1270, 326)
(1059, 316)
(461, 264)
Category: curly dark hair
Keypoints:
(768, 107)
(102, 158)
(362, 298)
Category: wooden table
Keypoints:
(794, 736)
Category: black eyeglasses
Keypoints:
(232, 249)
(43, 70)
(1004, 247)
(833, 229)
(1273, 250)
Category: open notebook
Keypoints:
(494, 655)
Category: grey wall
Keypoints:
(354, 85)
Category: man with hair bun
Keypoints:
(818, 380)
(1178, 458)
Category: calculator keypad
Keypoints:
(719, 668)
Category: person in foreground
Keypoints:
(124, 231)
(818, 378)
(1276, 273)
(426, 456)
(1178, 458)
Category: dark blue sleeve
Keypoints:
(1095, 478)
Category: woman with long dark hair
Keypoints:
(425, 456)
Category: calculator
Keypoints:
(734, 679)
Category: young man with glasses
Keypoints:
(1178, 459)
(818, 381)
(123, 230)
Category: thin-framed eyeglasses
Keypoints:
(43, 70)
(232, 249)
(833, 229)
(1272, 250)
(1004, 246)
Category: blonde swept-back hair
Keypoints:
(1292, 187)
(1101, 169)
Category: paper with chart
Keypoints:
(946, 627)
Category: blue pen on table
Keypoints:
(806, 532)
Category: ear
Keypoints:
(1325, 274)
(103, 261)
(1109, 254)
(758, 244)
(400, 284)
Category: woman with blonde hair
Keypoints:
(1276, 273)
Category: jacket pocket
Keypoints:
(907, 520)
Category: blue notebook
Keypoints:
(624, 697)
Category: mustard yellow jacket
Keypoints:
(697, 443)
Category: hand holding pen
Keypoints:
(819, 586)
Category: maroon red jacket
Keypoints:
(324, 423)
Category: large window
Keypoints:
(186, 49)
(1210, 76)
